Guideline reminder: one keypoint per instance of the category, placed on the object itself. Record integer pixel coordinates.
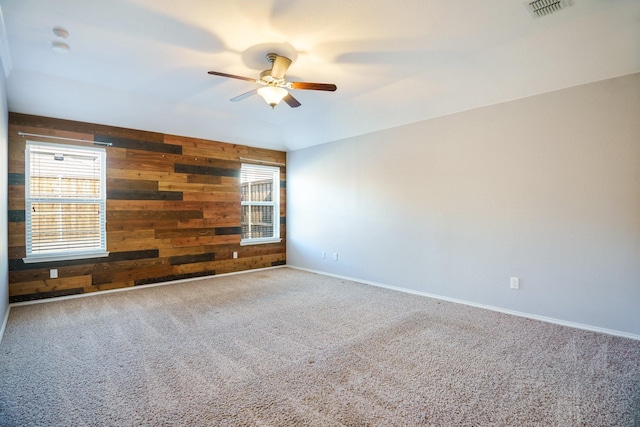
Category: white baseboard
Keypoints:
(487, 307)
(4, 323)
(133, 288)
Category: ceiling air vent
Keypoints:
(539, 8)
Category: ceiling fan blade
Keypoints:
(313, 86)
(280, 67)
(244, 95)
(293, 103)
(232, 76)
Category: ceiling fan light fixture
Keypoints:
(275, 84)
(272, 94)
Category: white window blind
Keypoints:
(65, 199)
(260, 190)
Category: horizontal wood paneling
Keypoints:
(136, 144)
(50, 285)
(115, 184)
(16, 215)
(173, 210)
(143, 195)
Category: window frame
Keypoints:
(275, 203)
(101, 201)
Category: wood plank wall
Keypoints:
(173, 211)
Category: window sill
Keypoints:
(63, 257)
(248, 242)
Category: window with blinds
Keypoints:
(65, 200)
(260, 191)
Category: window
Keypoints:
(65, 202)
(260, 191)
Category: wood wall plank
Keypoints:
(199, 188)
(173, 210)
(49, 285)
(232, 154)
(211, 197)
(42, 125)
(132, 184)
(168, 176)
(128, 205)
(110, 286)
(141, 225)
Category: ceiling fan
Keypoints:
(274, 83)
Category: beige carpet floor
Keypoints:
(284, 347)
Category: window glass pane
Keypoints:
(64, 172)
(65, 200)
(257, 221)
(59, 227)
(260, 190)
(70, 188)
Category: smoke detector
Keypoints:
(60, 32)
(59, 47)
(540, 8)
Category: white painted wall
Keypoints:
(4, 238)
(546, 188)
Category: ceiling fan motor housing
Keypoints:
(267, 78)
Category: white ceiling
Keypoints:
(143, 64)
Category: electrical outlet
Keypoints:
(53, 273)
(235, 255)
(324, 254)
(515, 283)
(335, 256)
